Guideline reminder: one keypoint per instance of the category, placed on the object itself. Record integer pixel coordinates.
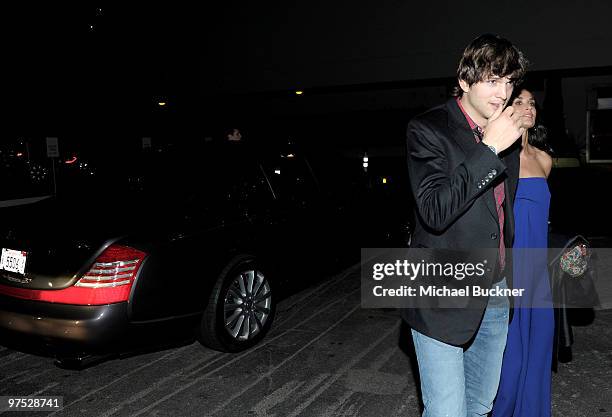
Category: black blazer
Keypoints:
(452, 178)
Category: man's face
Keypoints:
(235, 135)
(482, 99)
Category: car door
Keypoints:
(305, 217)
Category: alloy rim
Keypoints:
(247, 305)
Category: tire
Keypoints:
(240, 309)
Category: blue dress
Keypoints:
(524, 389)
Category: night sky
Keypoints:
(102, 65)
(277, 45)
(92, 64)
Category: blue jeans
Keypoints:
(462, 382)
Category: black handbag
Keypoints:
(572, 278)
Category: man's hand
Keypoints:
(503, 129)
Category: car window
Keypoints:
(291, 178)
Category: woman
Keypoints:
(524, 389)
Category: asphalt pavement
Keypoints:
(325, 356)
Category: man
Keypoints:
(463, 172)
(233, 135)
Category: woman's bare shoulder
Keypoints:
(545, 161)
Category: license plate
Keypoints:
(13, 260)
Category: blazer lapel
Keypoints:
(464, 137)
(512, 161)
(459, 127)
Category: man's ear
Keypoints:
(465, 87)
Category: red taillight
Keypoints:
(109, 280)
(116, 266)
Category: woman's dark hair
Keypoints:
(489, 55)
(537, 135)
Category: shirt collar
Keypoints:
(472, 124)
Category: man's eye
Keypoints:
(492, 82)
(518, 103)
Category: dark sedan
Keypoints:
(162, 245)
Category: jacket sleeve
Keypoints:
(441, 192)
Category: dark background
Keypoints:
(104, 64)
(93, 73)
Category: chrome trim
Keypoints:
(117, 263)
(105, 278)
(112, 271)
(97, 285)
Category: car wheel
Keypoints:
(240, 309)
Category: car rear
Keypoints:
(68, 312)
(65, 281)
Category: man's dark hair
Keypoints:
(489, 55)
(229, 131)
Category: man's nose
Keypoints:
(502, 91)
